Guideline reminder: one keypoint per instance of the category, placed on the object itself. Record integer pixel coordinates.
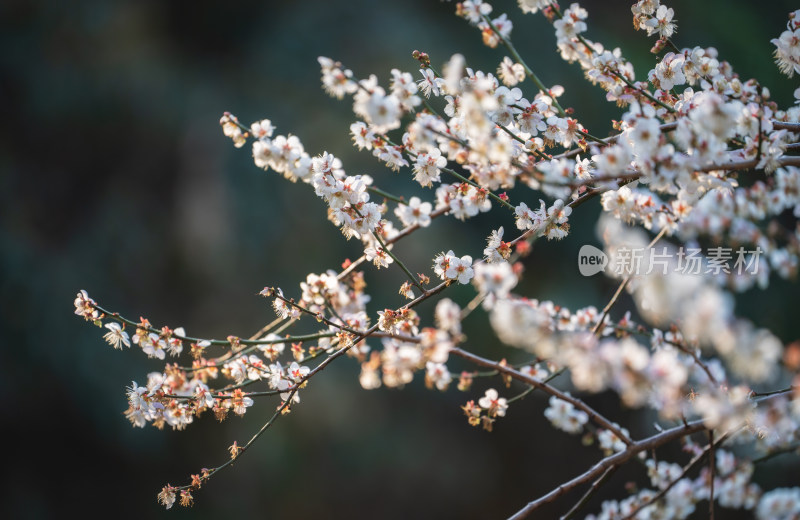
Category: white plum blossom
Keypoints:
(661, 22)
(427, 167)
(460, 269)
(116, 337)
(496, 279)
(378, 256)
(564, 416)
(510, 73)
(779, 504)
(448, 316)
(531, 6)
(438, 375)
(473, 10)
(415, 213)
(430, 84)
(405, 90)
(493, 403)
(382, 111)
(669, 71)
(496, 250)
(787, 47)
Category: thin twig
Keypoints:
(617, 459)
(686, 469)
(519, 376)
(711, 463)
(590, 493)
(599, 327)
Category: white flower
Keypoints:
(473, 10)
(383, 111)
(363, 137)
(297, 372)
(661, 22)
(493, 403)
(448, 316)
(669, 71)
(564, 416)
(85, 306)
(262, 129)
(531, 6)
(415, 213)
(391, 155)
(238, 402)
(167, 496)
(510, 73)
(779, 504)
(460, 269)
(335, 80)
(427, 167)
(230, 128)
(284, 310)
(272, 350)
(441, 263)
(153, 346)
(497, 279)
(438, 375)
(203, 395)
(378, 256)
(286, 387)
(430, 84)
(503, 26)
(556, 128)
(609, 442)
(525, 217)
(116, 337)
(404, 88)
(492, 253)
(787, 51)
(175, 345)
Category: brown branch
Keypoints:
(666, 127)
(792, 127)
(614, 460)
(711, 464)
(532, 381)
(748, 164)
(686, 469)
(590, 493)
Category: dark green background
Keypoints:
(115, 178)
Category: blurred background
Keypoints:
(115, 178)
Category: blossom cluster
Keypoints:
(698, 156)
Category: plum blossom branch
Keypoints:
(696, 460)
(596, 485)
(617, 459)
(529, 380)
(528, 71)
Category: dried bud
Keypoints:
(235, 342)
(196, 350)
(659, 46)
(234, 450)
(186, 498)
(220, 412)
(406, 292)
